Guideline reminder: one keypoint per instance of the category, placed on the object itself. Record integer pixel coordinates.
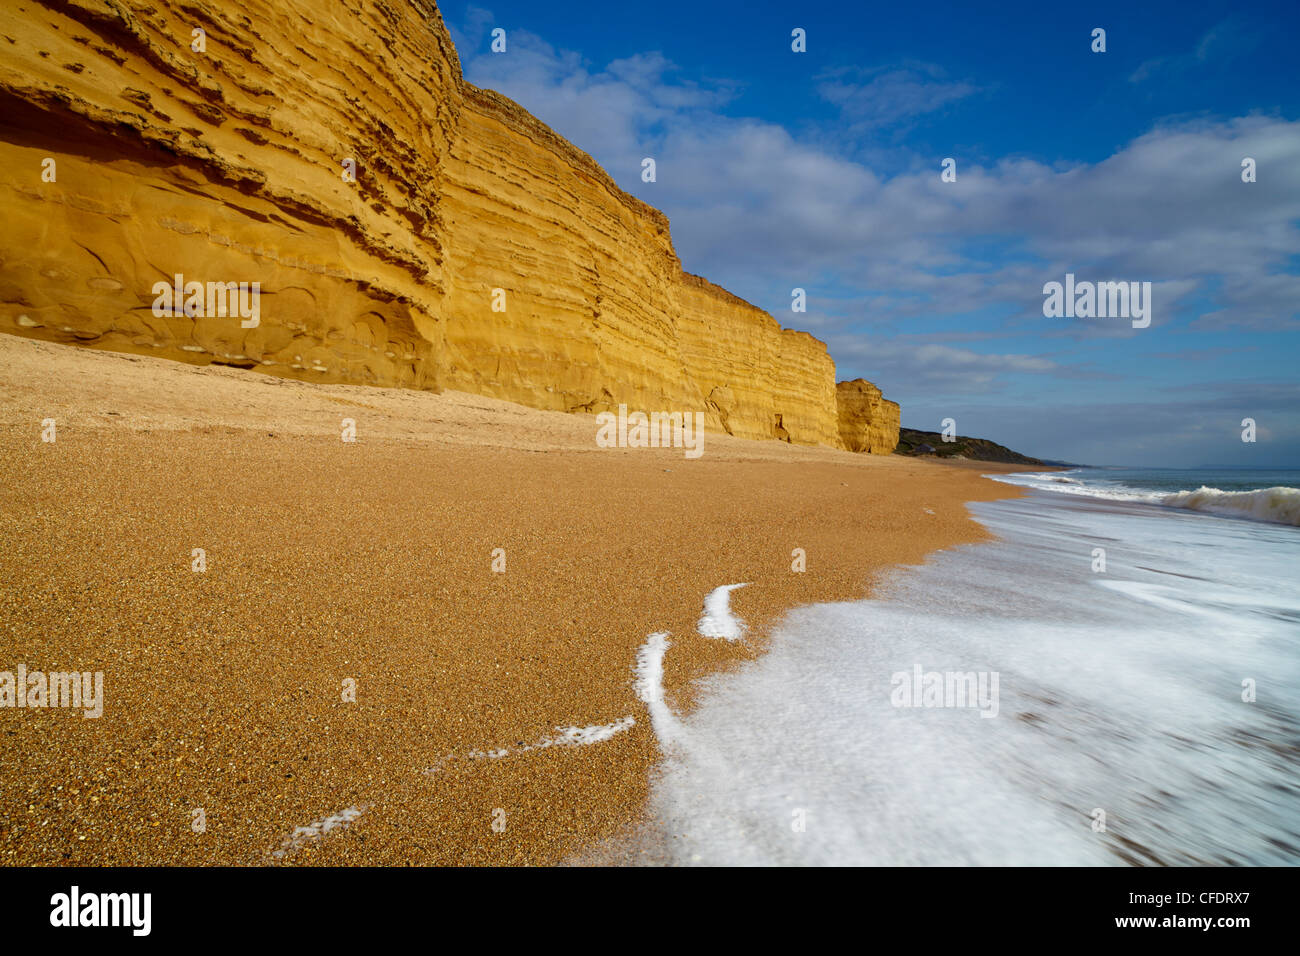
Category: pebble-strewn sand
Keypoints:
(372, 560)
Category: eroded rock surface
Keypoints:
(128, 157)
(867, 421)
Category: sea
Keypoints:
(1113, 680)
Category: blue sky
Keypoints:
(821, 170)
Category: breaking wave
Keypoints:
(1279, 505)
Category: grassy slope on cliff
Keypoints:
(913, 442)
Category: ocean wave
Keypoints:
(1277, 505)
(1063, 486)
(1280, 505)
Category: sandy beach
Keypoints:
(330, 562)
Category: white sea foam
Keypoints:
(488, 754)
(1046, 481)
(317, 830)
(718, 620)
(586, 736)
(1119, 691)
(564, 737)
(649, 672)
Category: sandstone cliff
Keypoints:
(128, 156)
(867, 421)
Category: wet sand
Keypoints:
(373, 560)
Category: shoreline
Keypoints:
(813, 729)
(373, 561)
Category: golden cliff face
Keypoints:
(867, 421)
(475, 249)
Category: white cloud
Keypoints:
(1220, 45)
(884, 97)
(761, 210)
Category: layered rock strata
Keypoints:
(403, 227)
(867, 421)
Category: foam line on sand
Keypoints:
(718, 620)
